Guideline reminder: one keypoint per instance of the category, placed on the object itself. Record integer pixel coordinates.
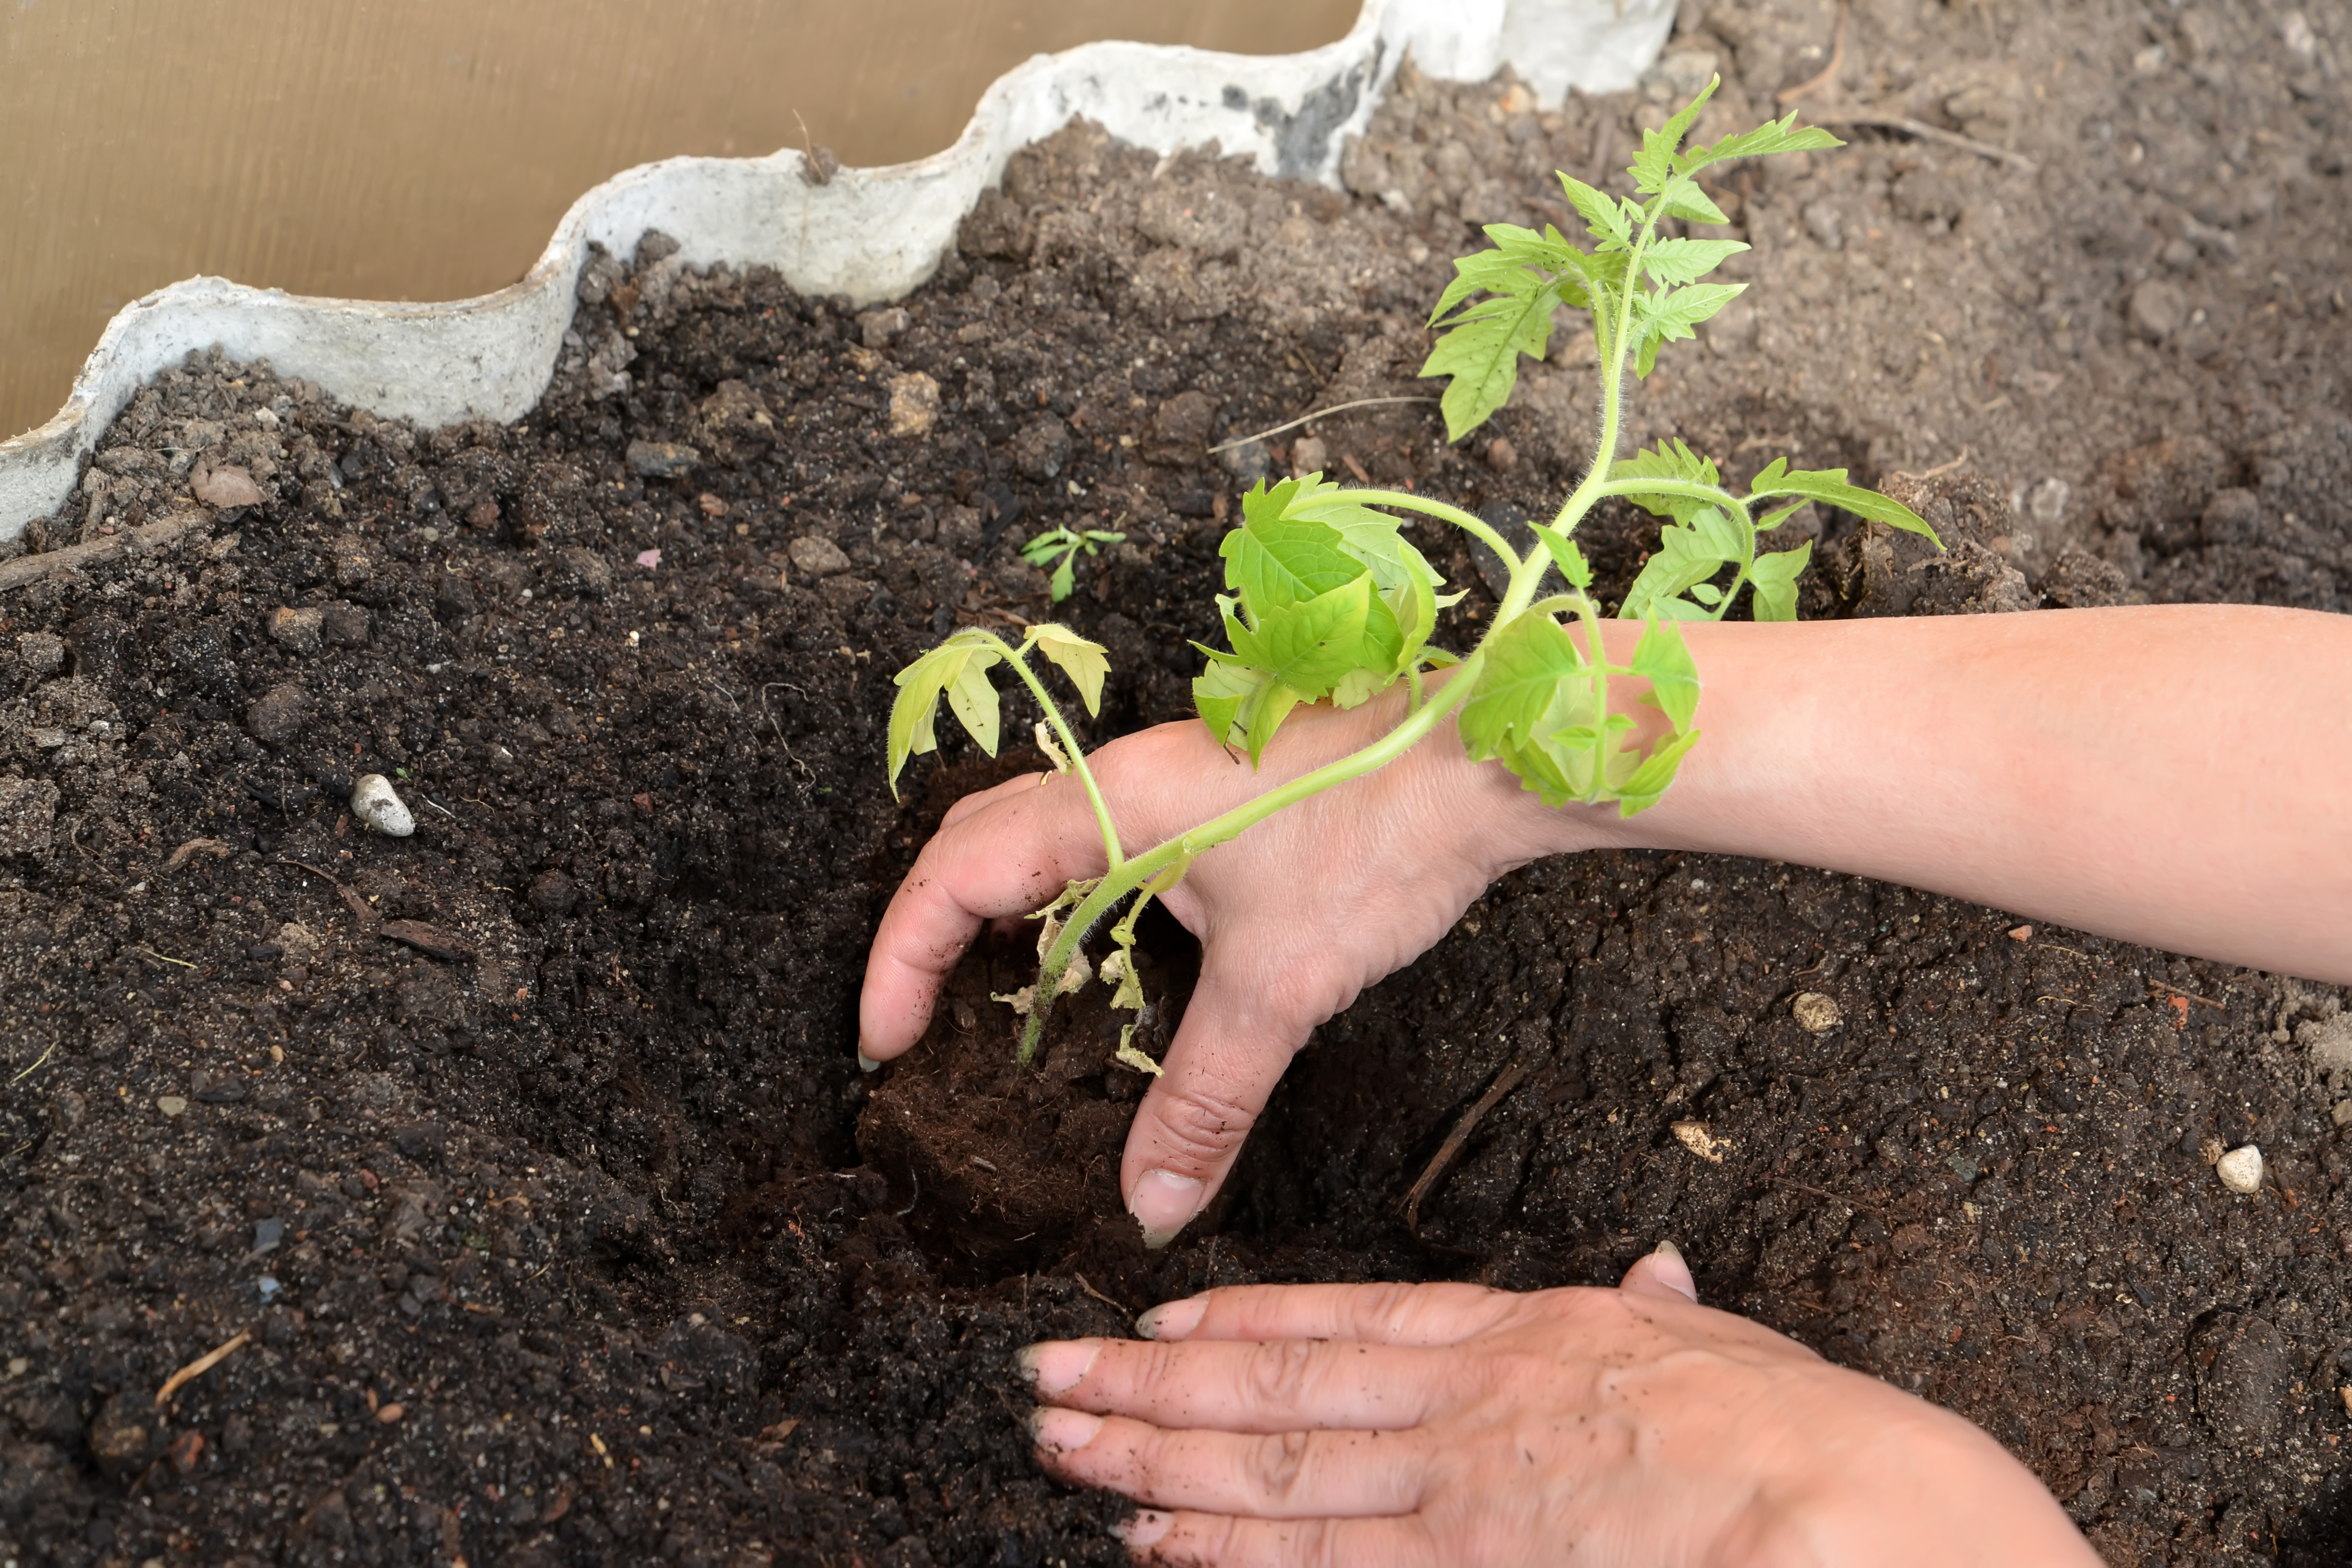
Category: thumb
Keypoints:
(1663, 1274)
(1229, 1053)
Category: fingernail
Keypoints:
(1057, 1365)
(1163, 1204)
(1063, 1430)
(864, 1062)
(1672, 1270)
(1172, 1319)
(1148, 1528)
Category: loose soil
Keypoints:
(528, 1153)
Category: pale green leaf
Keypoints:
(973, 700)
(1065, 578)
(1086, 663)
(1663, 659)
(1782, 136)
(1676, 261)
(1648, 783)
(1599, 211)
(1565, 555)
(1481, 352)
(1308, 647)
(1774, 578)
(1656, 163)
(1274, 562)
(1664, 461)
(1829, 487)
(1690, 204)
(956, 669)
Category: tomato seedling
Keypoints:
(1060, 546)
(1329, 601)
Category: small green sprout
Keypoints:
(1327, 602)
(1066, 544)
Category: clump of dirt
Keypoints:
(529, 1152)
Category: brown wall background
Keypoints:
(424, 149)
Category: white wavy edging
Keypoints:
(869, 233)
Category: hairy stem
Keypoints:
(1112, 852)
(1122, 880)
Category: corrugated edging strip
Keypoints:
(868, 234)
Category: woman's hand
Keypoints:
(1380, 1425)
(1295, 917)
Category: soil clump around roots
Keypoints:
(528, 1153)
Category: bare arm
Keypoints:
(2176, 775)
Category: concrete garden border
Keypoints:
(869, 233)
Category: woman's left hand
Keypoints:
(1377, 1425)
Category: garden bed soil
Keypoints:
(525, 1160)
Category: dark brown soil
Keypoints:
(563, 1225)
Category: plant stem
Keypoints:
(1469, 522)
(1121, 880)
(1112, 852)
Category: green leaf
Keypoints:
(1690, 204)
(1647, 782)
(1086, 663)
(1600, 213)
(1526, 661)
(1829, 487)
(1663, 659)
(1273, 562)
(1774, 580)
(1783, 135)
(1236, 702)
(1668, 317)
(1065, 579)
(1565, 555)
(1668, 462)
(1308, 647)
(1674, 261)
(1481, 350)
(956, 669)
(1655, 164)
(1040, 550)
(1687, 554)
(1706, 594)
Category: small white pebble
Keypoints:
(376, 804)
(1816, 1014)
(2241, 1170)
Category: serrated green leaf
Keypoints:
(1600, 212)
(1534, 687)
(1663, 659)
(1274, 562)
(1086, 663)
(1481, 352)
(1648, 781)
(1782, 136)
(1527, 662)
(1775, 519)
(1265, 718)
(1656, 163)
(1486, 272)
(1663, 462)
(1308, 647)
(1674, 261)
(1690, 204)
(1687, 554)
(1829, 487)
(1565, 555)
(1040, 550)
(1774, 581)
(1066, 579)
(1231, 699)
(956, 669)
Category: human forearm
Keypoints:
(2175, 775)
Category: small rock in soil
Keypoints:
(125, 1435)
(225, 487)
(278, 714)
(28, 809)
(42, 654)
(1041, 449)
(376, 803)
(171, 1105)
(914, 404)
(877, 328)
(298, 631)
(2241, 1170)
(553, 893)
(662, 459)
(1815, 1012)
(814, 555)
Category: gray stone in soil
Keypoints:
(28, 810)
(43, 654)
(379, 806)
(662, 459)
(298, 631)
(814, 555)
(277, 715)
